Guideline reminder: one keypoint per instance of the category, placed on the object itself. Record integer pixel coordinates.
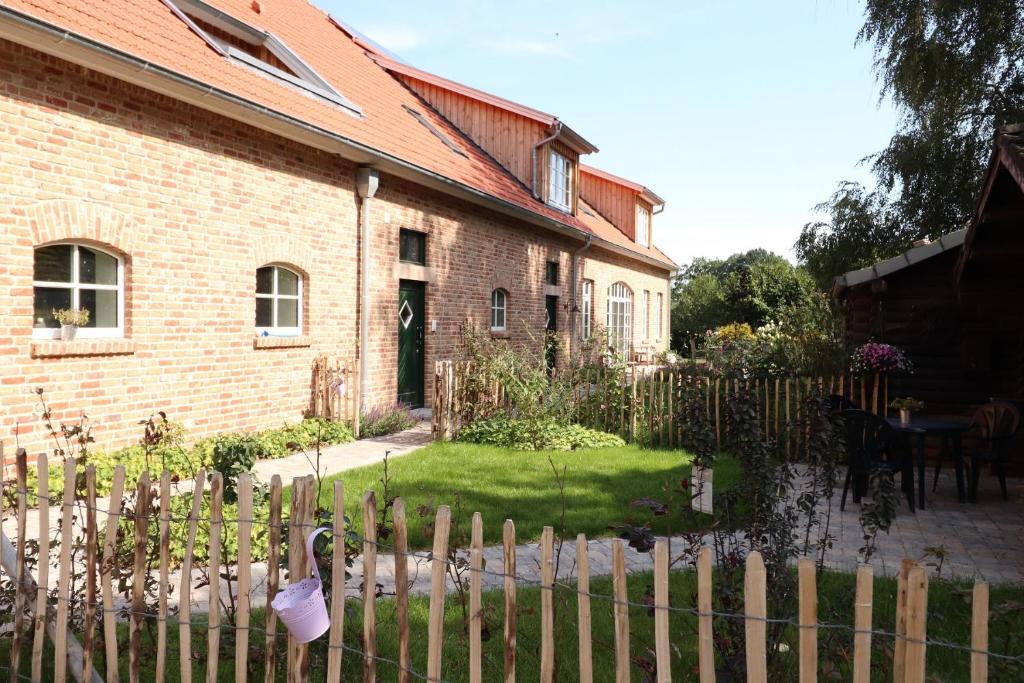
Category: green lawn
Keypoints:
(948, 620)
(502, 484)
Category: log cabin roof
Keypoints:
(908, 258)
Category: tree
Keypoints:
(750, 287)
(955, 71)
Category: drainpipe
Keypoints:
(533, 157)
(367, 180)
(575, 292)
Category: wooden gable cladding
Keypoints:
(614, 201)
(506, 136)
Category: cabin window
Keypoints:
(255, 49)
(77, 276)
(643, 226)
(412, 247)
(560, 181)
(499, 302)
(620, 305)
(278, 302)
(588, 307)
(646, 312)
(659, 322)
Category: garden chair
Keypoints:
(996, 423)
(868, 449)
(837, 403)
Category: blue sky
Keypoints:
(742, 115)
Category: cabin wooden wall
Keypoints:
(506, 136)
(615, 202)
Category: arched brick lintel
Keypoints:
(82, 221)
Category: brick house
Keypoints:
(234, 187)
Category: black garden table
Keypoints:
(951, 432)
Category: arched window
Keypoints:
(72, 275)
(620, 315)
(499, 303)
(278, 301)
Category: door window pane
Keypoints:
(46, 299)
(96, 268)
(53, 264)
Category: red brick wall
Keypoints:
(194, 203)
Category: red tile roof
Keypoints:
(149, 31)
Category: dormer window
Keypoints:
(643, 226)
(256, 49)
(560, 181)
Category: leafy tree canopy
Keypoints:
(752, 287)
(955, 71)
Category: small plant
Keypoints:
(536, 434)
(873, 357)
(74, 317)
(908, 403)
(383, 420)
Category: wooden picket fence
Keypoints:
(640, 402)
(335, 391)
(77, 660)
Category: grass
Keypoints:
(502, 484)
(948, 620)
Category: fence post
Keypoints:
(213, 588)
(244, 577)
(621, 611)
(755, 608)
(369, 587)
(401, 588)
(979, 633)
(67, 523)
(273, 579)
(476, 565)
(808, 621)
(39, 625)
(141, 525)
(862, 624)
(185, 589)
(583, 607)
(547, 617)
(661, 634)
(917, 610)
(508, 538)
(899, 663)
(438, 567)
(21, 466)
(91, 547)
(164, 551)
(705, 641)
(109, 540)
(335, 637)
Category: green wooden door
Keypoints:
(411, 329)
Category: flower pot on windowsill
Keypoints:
(68, 332)
(701, 480)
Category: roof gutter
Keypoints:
(29, 31)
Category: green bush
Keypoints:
(229, 454)
(536, 434)
(385, 420)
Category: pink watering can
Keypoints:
(301, 605)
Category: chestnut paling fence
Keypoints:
(334, 391)
(642, 403)
(39, 611)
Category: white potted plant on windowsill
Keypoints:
(70, 320)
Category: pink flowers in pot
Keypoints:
(874, 357)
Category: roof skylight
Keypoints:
(260, 50)
(433, 129)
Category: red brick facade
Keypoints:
(194, 203)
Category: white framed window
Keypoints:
(278, 302)
(643, 226)
(72, 275)
(620, 315)
(659, 324)
(499, 310)
(560, 181)
(588, 309)
(647, 314)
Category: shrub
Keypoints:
(384, 420)
(536, 434)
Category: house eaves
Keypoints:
(908, 258)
